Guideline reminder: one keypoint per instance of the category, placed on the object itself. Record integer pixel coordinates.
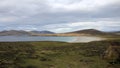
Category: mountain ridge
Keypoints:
(22, 32)
(43, 32)
(49, 33)
(89, 31)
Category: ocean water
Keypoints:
(48, 38)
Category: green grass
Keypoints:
(54, 55)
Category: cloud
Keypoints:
(73, 26)
(84, 5)
(7, 19)
(59, 15)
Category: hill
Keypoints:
(14, 32)
(43, 32)
(21, 33)
(89, 31)
(95, 32)
(116, 32)
(49, 33)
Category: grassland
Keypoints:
(55, 55)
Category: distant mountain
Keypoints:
(14, 32)
(49, 33)
(116, 32)
(42, 32)
(21, 33)
(89, 31)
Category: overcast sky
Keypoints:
(60, 15)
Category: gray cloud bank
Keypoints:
(60, 15)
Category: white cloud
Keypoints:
(59, 30)
(95, 23)
(7, 19)
(67, 27)
(23, 7)
(60, 15)
(84, 5)
(31, 7)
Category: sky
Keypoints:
(60, 15)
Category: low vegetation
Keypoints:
(57, 55)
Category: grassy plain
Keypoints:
(55, 55)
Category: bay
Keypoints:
(49, 38)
